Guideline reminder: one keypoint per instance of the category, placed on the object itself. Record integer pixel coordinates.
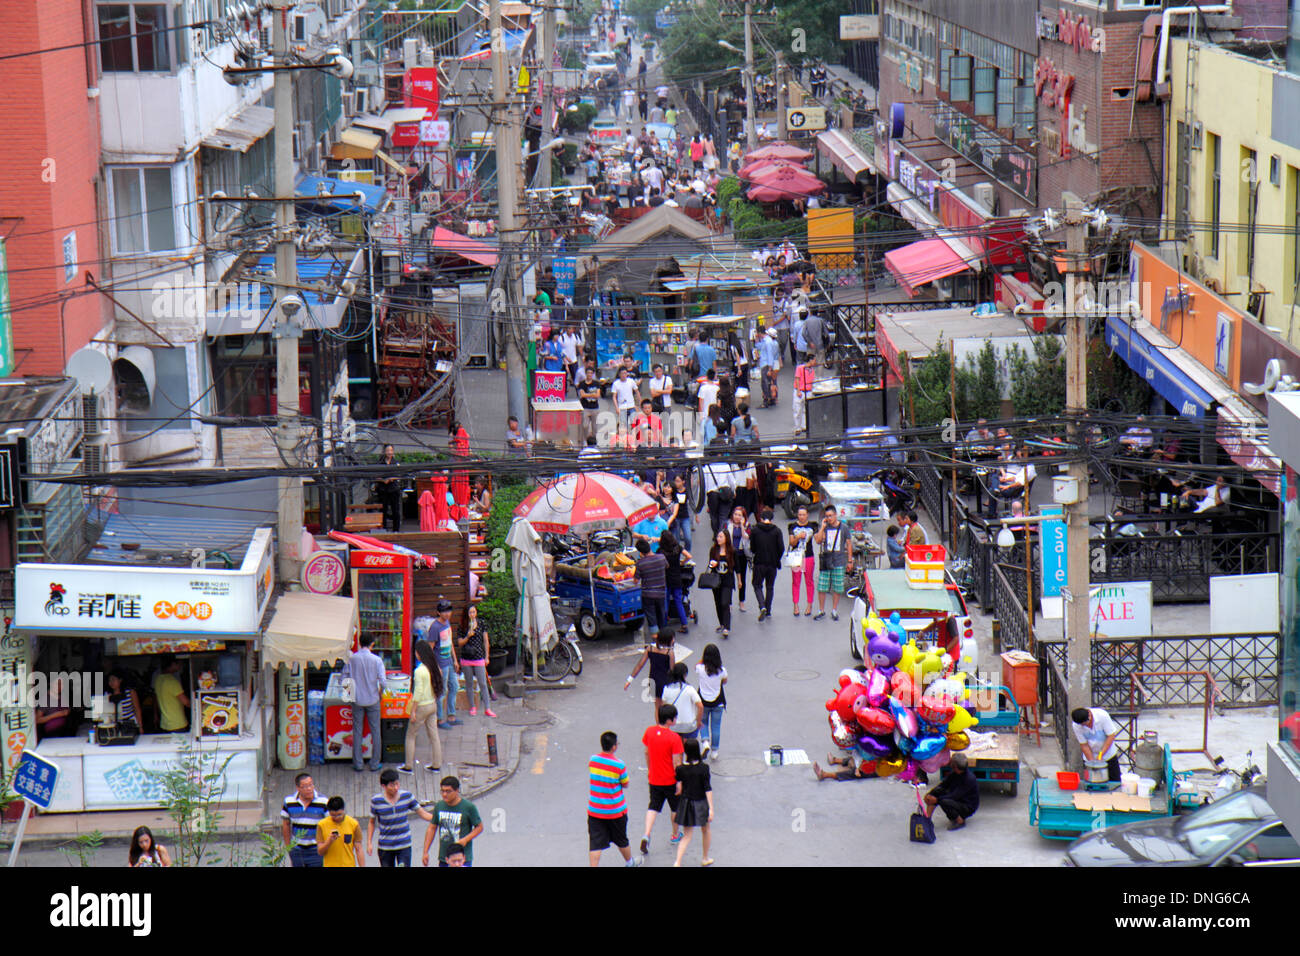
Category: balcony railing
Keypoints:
(1013, 167)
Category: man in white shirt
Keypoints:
(661, 92)
(629, 141)
(654, 177)
(1212, 497)
(1016, 475)
(627, 397)
(570, 343)
(708, 391)
(1096, 731)
(788, 252)
(661, 388)
(629, 104)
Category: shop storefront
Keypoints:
(159, 630)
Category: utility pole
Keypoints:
(505, 132)
(287, 330)
(781, 129)
(1077, 624)
(751, 132)
(548, 98)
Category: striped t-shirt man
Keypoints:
(393, 819)
(609, 783)
(303, 817)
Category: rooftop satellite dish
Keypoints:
(92, 370)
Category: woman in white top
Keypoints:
(690, 708)
(711, 675)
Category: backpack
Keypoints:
(693, 363)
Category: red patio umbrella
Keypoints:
(428, 521)
(759, 167)
(785, 183)
(778, 150)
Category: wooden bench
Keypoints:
(364, 517)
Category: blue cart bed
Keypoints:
(1057, 817)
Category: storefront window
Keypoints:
(1289, 639)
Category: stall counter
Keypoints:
(92, 777)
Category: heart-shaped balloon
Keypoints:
(875, 747)
(928, 746)
(901, 688)
(938, 761)
(877, 688)
(904, 719)
(936, 710)
(874, 720)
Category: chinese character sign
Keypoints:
(35, 778)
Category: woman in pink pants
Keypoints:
(801, 534)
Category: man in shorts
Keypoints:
(833, 562)
(663, 753)
(607, 802)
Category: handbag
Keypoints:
(920, 828)
(793, 558)
(710, 580)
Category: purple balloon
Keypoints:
(877, 689)
(876, 747)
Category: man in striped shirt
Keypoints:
(390, 810)
(301, 811)
(607, 802)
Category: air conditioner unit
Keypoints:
(335, 8)
(264, 38)
(94, 457)
(91, 424)
(392, 269)
(984, 195)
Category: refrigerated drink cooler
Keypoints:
(381, 583)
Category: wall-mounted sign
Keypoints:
(806, 118)
(6, 329)
(860, 27)
(70, 256)
(420, 88)
(324, 573)
(405, 134)
(1076, 31)
(1051, 85)
(1120, 610)
(434, 131)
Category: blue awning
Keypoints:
(339, 194)
(1156, 368)
(249, 312)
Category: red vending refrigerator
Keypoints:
(381, 583)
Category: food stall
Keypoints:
(84, 621)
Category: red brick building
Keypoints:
(49, 177)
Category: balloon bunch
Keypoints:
(903, 712)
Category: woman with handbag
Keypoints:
(426, 688)
(800, 557)
(682, 522)
(738, 533)
(718, 579)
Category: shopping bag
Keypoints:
(920, 828)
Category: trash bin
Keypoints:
(1020, 673)
(393, 734)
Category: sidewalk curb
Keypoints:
(509, 775)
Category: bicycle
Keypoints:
(564, 656)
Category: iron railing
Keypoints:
(933, 498)
(1056, 700)
(1009, 609)
(1244, 668)
(1179, 565)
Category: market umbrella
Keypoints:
(528, 564)
(580, 503)
(758, 167)
(786, 183)
(778, 150)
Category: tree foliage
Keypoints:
(980, 385)
(498, 610)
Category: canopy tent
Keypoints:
(445, 240)
(310, 629)
(528, 564)
(778, 150)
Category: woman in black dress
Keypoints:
(722, 561)
(695, 806)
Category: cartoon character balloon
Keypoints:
(884, 652)
(840, 734)
(896, 629)
(842, 702)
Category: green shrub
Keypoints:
(499, 610)
(577, 121)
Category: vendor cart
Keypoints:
(1066, 814)
(601, 602)
(1000, 763)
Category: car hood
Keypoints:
(1145, 843)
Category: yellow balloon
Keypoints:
(959, 741)
(930, 662)
(962, 719)
(872, 622)
(907, 663)
(887, 768)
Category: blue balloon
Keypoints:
(929, 746)
(905, 744)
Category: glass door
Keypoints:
(380, 601)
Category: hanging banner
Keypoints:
(565, 270)
(17, 723)
(291, 723)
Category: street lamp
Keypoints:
(558, 141)
(728, 46)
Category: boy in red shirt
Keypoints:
(663, 754)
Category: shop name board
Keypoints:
(1075, 31)
(914, 176)
(378, 559)
(420, 88)
(860, 27)
(1120, 610)
(1052, 86)
(67, 597)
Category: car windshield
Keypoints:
(1212, 829)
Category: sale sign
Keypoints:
(1120, 610)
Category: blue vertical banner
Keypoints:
(1052, 536)
(565, 270)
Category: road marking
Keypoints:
(539, 762)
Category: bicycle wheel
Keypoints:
(555, 664)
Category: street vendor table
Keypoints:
(1066, 814)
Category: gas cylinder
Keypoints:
(1149, 757)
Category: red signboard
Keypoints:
(406, 134)
(378, 559)
(548, 386)
(420, 88)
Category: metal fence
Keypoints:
(1179, 564)
(1009, 607)
(933, 498)
(1244, 668)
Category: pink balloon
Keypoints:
(939, 760)
(877, 689)
(909, 772)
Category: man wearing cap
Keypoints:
(769, 363)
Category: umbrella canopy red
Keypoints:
(758, 167)
(788, 182)
(778, 150)
(583, 503)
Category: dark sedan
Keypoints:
(1238, 830)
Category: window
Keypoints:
(1026, 112)
(244, 369)
(142, 209)
(960, 79)
(1216, 190)
(986, 79)
(1248, 207)
(944, 57)
(1006, 115)
(1293, 180)
(148, 51)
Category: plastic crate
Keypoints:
(924, 565)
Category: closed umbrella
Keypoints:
(428, 520)
(440, 513)
(528, 564)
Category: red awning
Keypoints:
(444, 240)
(925, 261)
